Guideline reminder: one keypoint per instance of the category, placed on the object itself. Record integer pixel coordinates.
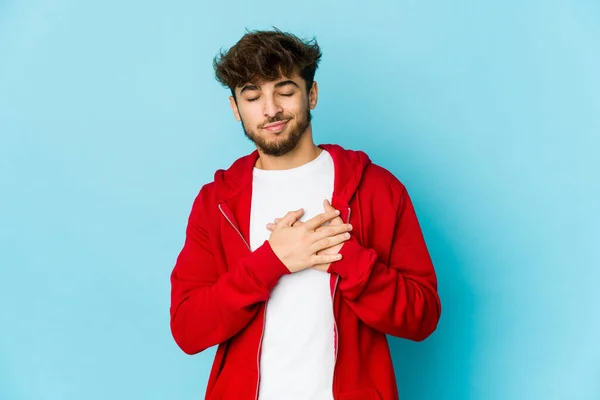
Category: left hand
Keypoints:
(330, 250)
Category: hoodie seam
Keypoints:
(359, 217)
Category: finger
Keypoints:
(291, 217)
(270, 227)
(325, 258)
(297, 223)
(327, 205)
(331, 231)
(328, 242)
(320, 219)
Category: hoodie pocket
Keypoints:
(363, 394)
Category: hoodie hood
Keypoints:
(349, 166)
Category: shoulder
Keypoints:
(377, 179)
(206, 191)
(204, 199)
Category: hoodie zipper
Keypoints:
(264, 311)
(234, 227)
(334, 321)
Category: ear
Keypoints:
(234, 108)
(313, 95)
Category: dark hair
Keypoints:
(261, 56)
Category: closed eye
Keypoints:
(283, 94)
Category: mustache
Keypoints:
(276, 118)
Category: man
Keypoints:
(298, 259)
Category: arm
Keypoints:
(207, 308)
(399, 299)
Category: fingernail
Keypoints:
(337, 211)
(346, 235)
(349, 227)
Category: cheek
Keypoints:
(250, 118)
(297, 107)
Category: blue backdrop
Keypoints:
(111, 121)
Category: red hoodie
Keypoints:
(385, 282)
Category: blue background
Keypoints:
(111, 121)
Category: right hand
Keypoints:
(296, 246)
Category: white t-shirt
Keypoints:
(297, 357)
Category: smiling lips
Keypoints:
(276, 126)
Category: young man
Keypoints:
(298, 259)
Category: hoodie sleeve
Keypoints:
(400, 298)
(207, 308)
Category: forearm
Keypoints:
(204, 314)
(398, 301)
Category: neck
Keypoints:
(303, 153)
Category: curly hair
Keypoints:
(261, 56)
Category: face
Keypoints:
(276, 114)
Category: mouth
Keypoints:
(276, 126)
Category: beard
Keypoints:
(281, 146)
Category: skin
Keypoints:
(284, 98)
(299, 245)
(333, 250)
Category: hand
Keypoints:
(333, 250)
(297, 243)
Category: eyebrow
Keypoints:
(277, 85)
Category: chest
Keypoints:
(274, 199)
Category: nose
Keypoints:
(271, 107)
